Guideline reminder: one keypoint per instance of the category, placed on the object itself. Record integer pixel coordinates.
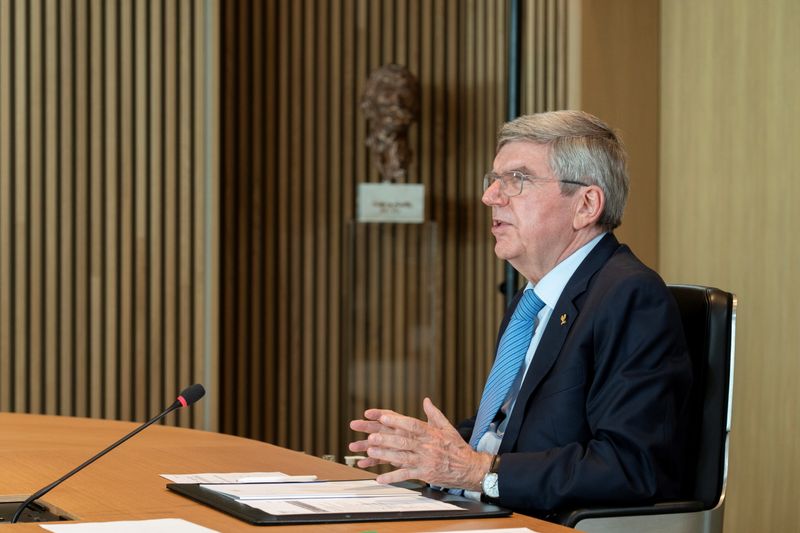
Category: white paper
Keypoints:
(501, 530)
(276, 479)
(364, 488)
(226, 477)
(351, 505)
(161, 525)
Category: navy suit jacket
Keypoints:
(599, 418)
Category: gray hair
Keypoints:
(582, 148)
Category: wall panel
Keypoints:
(323, 316)
(619, 49)
(730, 111)
(104, 270)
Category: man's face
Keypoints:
(534, 229)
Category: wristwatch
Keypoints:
(490, 485)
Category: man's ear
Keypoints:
(590, 204)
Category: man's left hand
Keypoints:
(433, 452)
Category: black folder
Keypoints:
(226, 504)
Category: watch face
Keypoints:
(490, 486)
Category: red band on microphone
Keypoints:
(183, 402)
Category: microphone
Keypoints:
(186, 398)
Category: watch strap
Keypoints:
(495, 466)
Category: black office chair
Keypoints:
(709, 321)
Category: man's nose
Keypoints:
(493, 195)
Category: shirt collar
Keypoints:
(551, 286)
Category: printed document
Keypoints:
(159, 525)
(364, 488)
(237, 477)
(391, 504)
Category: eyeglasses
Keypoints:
(511, 182)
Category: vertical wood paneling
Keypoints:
(103, 267)
(80, 215)
(52, 180)
(204, 228)
(157, 172)
(258, 228)
(111, 203)
(188, 254)
(285, 352)
(321, 386)
(468, 138)
(545, 65)
(300, 202)
(458, 177)
(172, 95)
(337, 200)
(66, 142)
(322, 316)
(6, 134)
(307, 193)
(19, 208)
(35, 203)
(97, 324)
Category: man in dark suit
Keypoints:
(585, 403)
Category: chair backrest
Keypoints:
(709, 322)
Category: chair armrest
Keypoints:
(571, 518)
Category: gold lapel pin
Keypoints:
(564, 319)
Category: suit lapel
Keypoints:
(555, 333)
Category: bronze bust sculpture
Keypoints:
(391, 103)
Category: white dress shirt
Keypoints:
(549, 290)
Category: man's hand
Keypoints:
(433, 452)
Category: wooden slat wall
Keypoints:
(104, 173)
(545, 68)
(323, 316)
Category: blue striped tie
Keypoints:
(510, 354)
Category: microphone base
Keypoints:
(35, 512)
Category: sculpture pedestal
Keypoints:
(392, 355)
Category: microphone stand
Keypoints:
(41, 492)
